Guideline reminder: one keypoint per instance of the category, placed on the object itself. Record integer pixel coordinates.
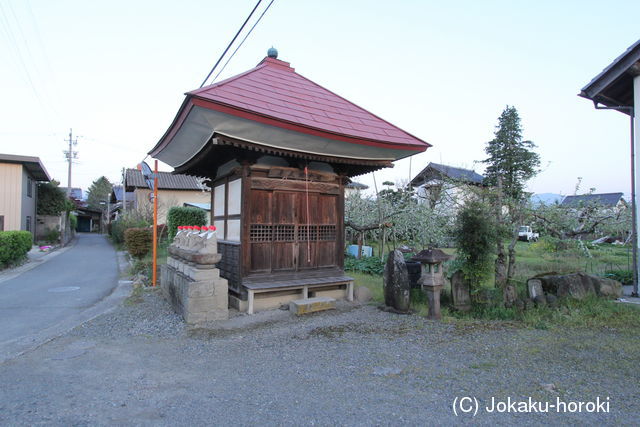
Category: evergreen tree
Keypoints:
(51, 199)
(510, 157)
(99, 191)
(511, 163)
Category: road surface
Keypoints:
(35, 304)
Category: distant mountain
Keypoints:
(546, 198)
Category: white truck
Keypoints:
(526, 234)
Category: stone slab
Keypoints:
(312, 305)
(202, 274)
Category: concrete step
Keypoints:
(311, 305)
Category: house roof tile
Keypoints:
(274, 89)
(166, 181)
(437, 170)
(605, 199)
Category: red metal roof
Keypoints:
(274, 90)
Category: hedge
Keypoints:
(14, 246)
(138, 241)
(118, 227)
(184, 216)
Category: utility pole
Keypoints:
(124, 192)
(70, 155)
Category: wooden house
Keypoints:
(173, 190)
(278, 150)
(445, 185)
(19, 176)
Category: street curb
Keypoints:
(107, 304)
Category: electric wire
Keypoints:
(229, 46)
(243, 40)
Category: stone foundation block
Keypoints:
(197, 301)
(198, 274)
(312, 305)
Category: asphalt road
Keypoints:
(56, 292)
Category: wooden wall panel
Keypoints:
(260, 257)
(260, 207)
(283, 256)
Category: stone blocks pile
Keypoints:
(190, 281)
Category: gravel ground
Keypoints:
(356, 365)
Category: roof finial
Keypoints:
(272, 53)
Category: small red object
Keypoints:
(196, 227)
(213, 228)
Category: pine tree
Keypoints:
(99, 191)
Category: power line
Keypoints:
(243, 40)
(28, 76)
(233, 40)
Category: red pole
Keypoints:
(155, 224)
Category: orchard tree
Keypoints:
(395, 216)
(99, 191)
(511, 162)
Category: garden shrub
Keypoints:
(141, 266)
(138, 241)
(623, 276)
(475, 236)
(73, 221)
(184, 216)
(367, 265)
(52, 236)
(14, 246)
(130, 220)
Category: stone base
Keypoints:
(237, 303)
(311, 305)
(197, 301)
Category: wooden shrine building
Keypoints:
(278, 150)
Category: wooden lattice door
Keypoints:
(292, 231)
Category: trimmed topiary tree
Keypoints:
(138, 241)
(184, 216)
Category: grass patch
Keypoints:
(590, 313)
(145, 264)
(374, 283)
(135, 297)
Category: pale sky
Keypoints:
(116, 73)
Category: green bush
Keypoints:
(138, 241)
(475, 236)
(130, 220)
(549, 245)
(367, 265)
(14, 246)
(73, 220)
(52, 235)
(623, 276)
(141, 266)
(184, 216)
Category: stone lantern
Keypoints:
(432, 277)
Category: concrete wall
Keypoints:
(46, 223)
(11, 176)
(168, 199)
